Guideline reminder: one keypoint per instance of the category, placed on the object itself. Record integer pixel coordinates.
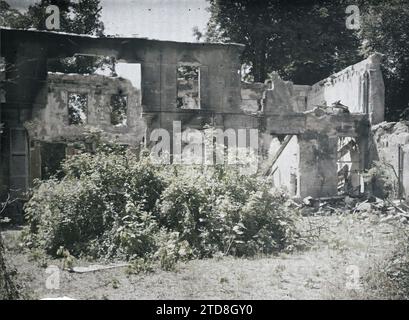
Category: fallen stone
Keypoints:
(93, 268)
(307, 201)
(58, 298)
(364, 206)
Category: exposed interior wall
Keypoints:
(360, 87)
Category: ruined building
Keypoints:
(320, 147)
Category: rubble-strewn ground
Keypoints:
(346, 243)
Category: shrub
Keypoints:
(382, 180)
(390, 278)
(222, 211)
(102, 207)
(113, 205)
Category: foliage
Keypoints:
(390, 278)
(385, 29)
(118, 109)
(220, 210)
(112, 204)
(102, 207)
(304, 43)
(79, 17)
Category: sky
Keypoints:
(155, 19)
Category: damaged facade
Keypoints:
(309, 142)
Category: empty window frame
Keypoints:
(119, 110)
(348, 166)
(188, 87)
(52, 154)
(77, 108)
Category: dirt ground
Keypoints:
(332, 267)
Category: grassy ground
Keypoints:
(341, 250)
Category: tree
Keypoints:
(10, 17)
(385, 29)
(79, 17)
(302, 42)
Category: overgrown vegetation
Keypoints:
(113, 204)
(8, 288)
(382, 180)
(389, 279)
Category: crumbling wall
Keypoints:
(360, 87)
(275, 108)
(274, 97)
(388, 138)
(50, 123)
(288, 109)
(285, 97)
(252, 95)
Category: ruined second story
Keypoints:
(195, 84)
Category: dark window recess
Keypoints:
(119, 109)
(52, 154)
(188, 87)
(77, 108)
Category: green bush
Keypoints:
(219, 210)
(102, 207)
(113, 205)
(382, 180)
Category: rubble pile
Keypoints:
(387, 210)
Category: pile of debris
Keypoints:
(387, 209)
